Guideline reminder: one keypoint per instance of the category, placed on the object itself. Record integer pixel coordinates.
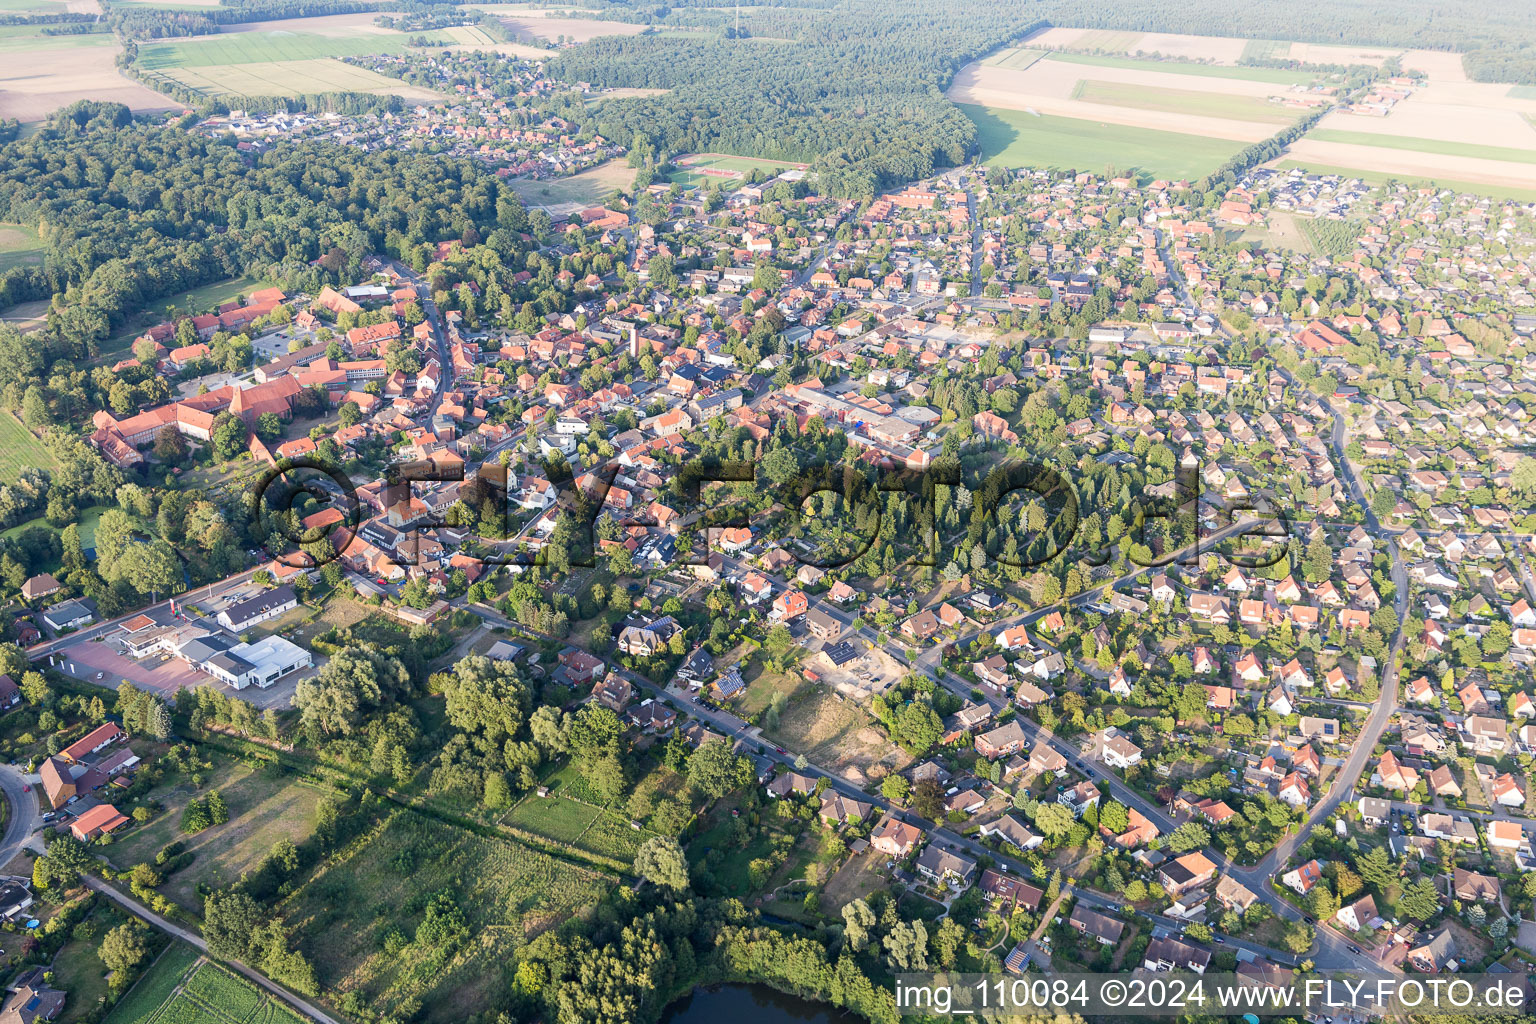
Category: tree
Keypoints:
(230, 920)
(1420, 901)
(895, 789)
(858, 923)
(125, 947)
(715, 770)
(906, 946)
(1189, 836)
(1053, 820)
(355, 681)
(62, 865)
(660, 861)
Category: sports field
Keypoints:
(1207, 104)
(701, 168)
(19, 449)
(1012, 138)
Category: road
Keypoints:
(439, 334)
(192, 938)
(22, 815)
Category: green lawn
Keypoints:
(143, 1001)
(19, 244)
(1015, 138)
(209, 296)
(1177, 67)
(1184, 101)
(86, 520)
(1522, 195)
(1415, 145)
(19, 449)
(261, 47)
(79, 971)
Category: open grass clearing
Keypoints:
(263, 808)
(1012, 138)
(1207, 104)
(577, 191)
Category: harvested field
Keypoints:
(1272, 76)
(35, 82)
(339, 26)
(578, 29)
(1521, 192)
(1324, 53)
(1413, 145)
(1469, 114)
(1437, 64)
(1220, 49)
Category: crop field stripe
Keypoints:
(1265, 49)
(1522, 92)
(1175, 67)
(1417, 145)
(1183, 101)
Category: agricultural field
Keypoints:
(19, 449)
(143, 1002)
(263, 48)
(380, 886)
(1014, 58)
(19, 246)
(539, 25)
(1523, 193)
(293, 78)
(181, 988)
(1412, 145)
(1075, 101)
(1012, 138)
(566, 195)
(36, 80)
(1204, 49)
(1207, 104)
(263, 808)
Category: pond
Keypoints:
(750, 1004)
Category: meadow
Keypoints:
(1272, 76)
(264, 47)
(1013, 138)
(588, 188)
(292, 78)
(19, 449)
(378, 888)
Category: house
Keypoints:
(614, 692)
(1314, 729)
(1507, 791)
(1079, 798)
(837, 809)
(893, 837)
(253, 611)
(42, 585)
(68, 615)
(58, 782)
(1118, 752)
(944, 865)
(97, 739)
(1234, 895)
(1435, 953)
(580, 667)
(31, 999)
(822, 625)
(99, 820)
(1099, 926)
(791, 784)
(1506, 835)
(789, 606)
(1359, 915)
(10, 693)
(1393, 774)
(1187, 872)
(1002, 741)
(1302, 879)
(1435, 825)
(1008, 894)
(1046, 758)
(1470, 887)
(1171, 954)
(1484, 735)
(1375, 812)
(1011, 830)
(651, 715)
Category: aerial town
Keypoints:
(514, 613)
